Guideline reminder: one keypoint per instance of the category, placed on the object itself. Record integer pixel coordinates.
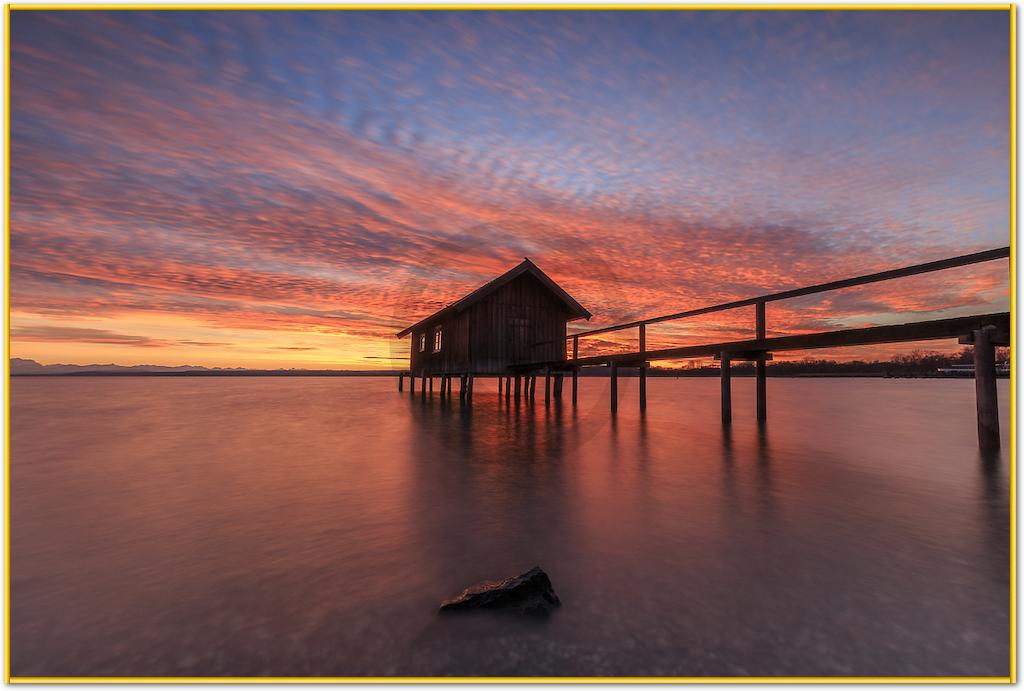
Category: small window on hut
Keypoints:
(423, 342)
(437, 341)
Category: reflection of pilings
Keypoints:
(995, 505)
(763, 470)
(729, 492)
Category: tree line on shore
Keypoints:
(915, 363)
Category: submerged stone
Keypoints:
(529, 593)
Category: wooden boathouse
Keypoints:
(514, 328)
(515, 321)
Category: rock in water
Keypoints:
(530, 593)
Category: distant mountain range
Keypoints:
(26, 367)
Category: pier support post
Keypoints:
(401, 380)
(518, 387)
(533, 387)
(559, 378)
(761, 364)
(423, 385)
(985, 389)
(643, 386)
(431, 383)
(508, 388)
(762, 388)
(469, 387)
(575, 367)
(412, 383)
(547, 385)
(726, 369)
(499, 385)
(643, 367)
(615, 386)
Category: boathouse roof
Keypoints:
(575, 309)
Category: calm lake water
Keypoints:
(311, 526)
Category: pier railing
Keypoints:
(759, 302)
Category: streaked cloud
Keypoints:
(290, 188)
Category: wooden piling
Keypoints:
(726, 370)
(559, 379)
(412, 383)
(985, 389)
(423, 385)
(762, 388)
(518, 386)
(431, 383)
(533, 387)
(615, 386)
(499, 385)
(469, 387)
(401, 379)
(547, 385)
(575, 369)
(643, 367)
(508, 388)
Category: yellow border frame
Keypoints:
(1011, 679)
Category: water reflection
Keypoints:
(312, 526)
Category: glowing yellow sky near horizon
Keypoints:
(176, 342)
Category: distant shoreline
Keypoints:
(601, 375)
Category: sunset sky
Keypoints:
(289, 189)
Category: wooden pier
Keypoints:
(982, 331)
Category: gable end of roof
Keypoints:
(526, 266)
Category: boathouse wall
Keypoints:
(519, 323)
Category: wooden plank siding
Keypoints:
(521, 322)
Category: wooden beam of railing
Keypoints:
(927, 267)
(869, 335)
